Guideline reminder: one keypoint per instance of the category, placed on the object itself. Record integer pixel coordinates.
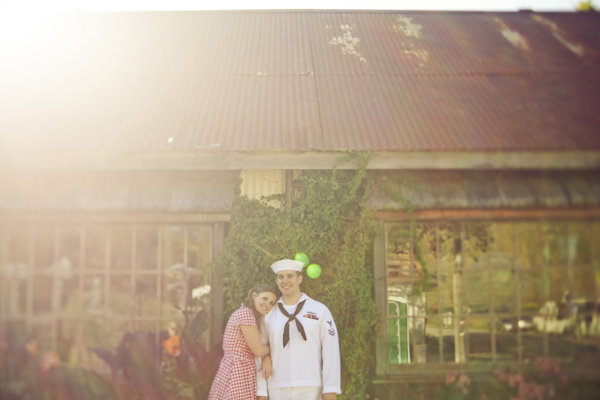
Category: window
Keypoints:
(488, 291)
(84, 286)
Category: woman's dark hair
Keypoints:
(260, 288)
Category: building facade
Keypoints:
(126, 136)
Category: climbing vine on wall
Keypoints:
(329, 221)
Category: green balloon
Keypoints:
(302, 258)
(313, 271)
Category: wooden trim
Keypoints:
(107, 218)
(379, 270)
(216, 283)
(4, 257)
(31, 237)
(436, 373)
(432, 215)
(286, 159)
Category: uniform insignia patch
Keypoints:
(331, 330)
(311, 315)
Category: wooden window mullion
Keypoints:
(57, 286)
(492, 304)
(518, 300)
(438, 259)
(30, 276)
(4, 292)
(159, 283)
(133, 311)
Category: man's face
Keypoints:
(288, 282)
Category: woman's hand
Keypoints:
(266, 367)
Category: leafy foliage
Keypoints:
(586, 5)
(330, 222)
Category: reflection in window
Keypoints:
(490, 291)
(85, 286)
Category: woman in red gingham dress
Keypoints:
(236, 377)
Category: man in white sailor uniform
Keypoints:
(304, 342)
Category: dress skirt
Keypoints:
(235, 379)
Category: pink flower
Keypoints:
(49, 360)
(515, 380)
(550, 368)
(451, 377)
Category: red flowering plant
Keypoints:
(173, 346)
(539, 384)
(456, 386)
(542, 382)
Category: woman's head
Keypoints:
(261, 298)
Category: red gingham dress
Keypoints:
(236, 377)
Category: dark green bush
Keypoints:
(330, 222)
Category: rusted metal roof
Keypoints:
(303, 81)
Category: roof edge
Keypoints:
(237, 160)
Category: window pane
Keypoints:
(398, 331)
(557, 312)
(147, 248)
(186, 253)
(121, 248)
(400, 279)
(94, 300)
(430, 315)
(408, 286)
(15, 270)
(96, 248)
(145, 296)
(44, 248)
(445, 254)
(472, 252)
(199, 255)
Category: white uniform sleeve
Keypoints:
(331, 354)
(261, 382)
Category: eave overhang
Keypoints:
(290, 160)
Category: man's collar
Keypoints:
(302, 297)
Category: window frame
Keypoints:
(386, 371)
(56, 223)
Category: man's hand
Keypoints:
(263, 398)
(329, 396)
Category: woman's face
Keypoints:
(264, 301)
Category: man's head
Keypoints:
(288, 276)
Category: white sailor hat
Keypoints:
(287, 265)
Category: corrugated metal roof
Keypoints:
(304, 81)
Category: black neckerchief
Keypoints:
(286, 329)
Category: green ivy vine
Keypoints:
(328, 220)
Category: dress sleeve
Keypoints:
(246, 317)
